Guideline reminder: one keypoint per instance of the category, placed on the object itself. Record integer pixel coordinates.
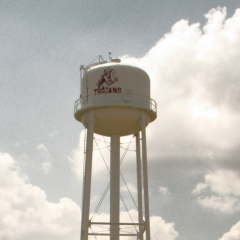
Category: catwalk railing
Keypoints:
(107, 99)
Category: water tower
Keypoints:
(115, 101)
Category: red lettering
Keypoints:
(107, 90)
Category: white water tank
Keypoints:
(118, 94)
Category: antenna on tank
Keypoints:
(81, 75)
(110, 58)
(101, 58)
(93, 63)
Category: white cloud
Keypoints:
(224, 204)
(76, 161)
(199, 188)
(233, 234)
(162, 230)
(195, 80)
(44, 150)
(164, 191)
(46, 164)
(220, 191)
(26, 214)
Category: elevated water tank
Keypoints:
(118, 94)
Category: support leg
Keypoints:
(145, 175)
(88, 176)
(139, 185)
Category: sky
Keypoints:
(191, 51)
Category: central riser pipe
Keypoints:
(115, 187)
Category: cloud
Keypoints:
(46, 164)
(44, 150)
(233, 234)
(26, 214)
(76, 161)
(162, 230)
(195, 81)
(221, 182)
(220, 191)
(224, 204)
(164, 191)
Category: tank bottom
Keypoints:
(114, 120)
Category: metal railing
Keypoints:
(127, 99)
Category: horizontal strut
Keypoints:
(106, 223)
(108, 234)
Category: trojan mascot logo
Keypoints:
(107, 79)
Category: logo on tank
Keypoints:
(105, 81)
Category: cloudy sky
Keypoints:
(191, 51)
